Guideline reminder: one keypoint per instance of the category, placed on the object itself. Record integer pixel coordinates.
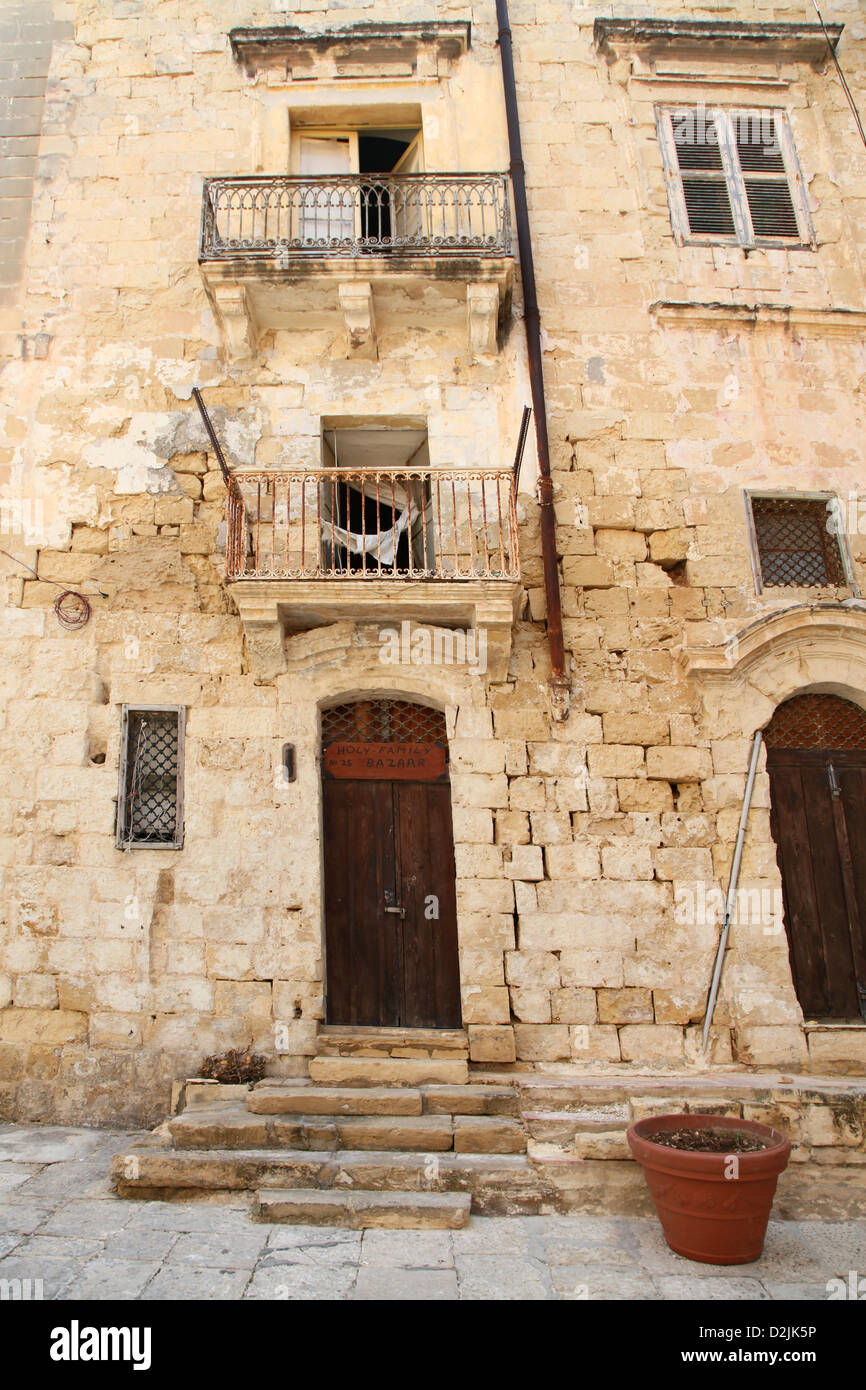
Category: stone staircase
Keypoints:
(373, 1138)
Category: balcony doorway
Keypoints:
(374, 505)
(376, 212)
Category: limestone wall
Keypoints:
(578, 843)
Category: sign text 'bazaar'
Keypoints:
(402, 762)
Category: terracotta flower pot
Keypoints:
(711, 1209)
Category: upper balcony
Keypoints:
(371, 251)
(305, 548)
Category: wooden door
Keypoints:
(410, 213)
(818, 818)
(390, 904)
(328, 214)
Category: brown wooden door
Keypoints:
(818, 817)
(390, 905)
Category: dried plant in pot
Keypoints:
(713, 1179)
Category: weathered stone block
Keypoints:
(46, 1026)
(625, 1006)
(677, 764)
(526, 863)
(542, 1042)
(491, 1043)
(651, 1042)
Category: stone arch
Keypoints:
(818, 649)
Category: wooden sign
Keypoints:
(385, 762)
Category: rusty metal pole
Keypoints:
(558, 678)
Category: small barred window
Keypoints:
(732, 176)
(797, 541)
(150, 803)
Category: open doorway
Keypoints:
(374, 503)
(369, 211)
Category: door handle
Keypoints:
(401, 911)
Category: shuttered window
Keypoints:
(150, 800)
(797, 541)
(733, 177)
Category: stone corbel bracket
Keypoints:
(236, 319)
(356, 302)
(264, 634)
(482, 314)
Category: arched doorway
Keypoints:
(816, 759)
(390, 901)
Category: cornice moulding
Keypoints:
(807, 42)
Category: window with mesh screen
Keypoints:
(797, 542)
(150, 804)
(732, 176)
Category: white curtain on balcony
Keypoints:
(381, 544)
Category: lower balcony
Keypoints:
(437, 547)
(366, 252)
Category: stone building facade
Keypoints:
(683, 369)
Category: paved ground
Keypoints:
(60, 1222)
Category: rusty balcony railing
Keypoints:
(372, 524)
(351, 215)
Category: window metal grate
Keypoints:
(383, 721)
(150, 804)
(796, 542)
(817, 721)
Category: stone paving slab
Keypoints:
(61, 1222)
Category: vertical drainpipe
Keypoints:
(559, 681)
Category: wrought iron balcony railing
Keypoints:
(354, 215)
(372, 524)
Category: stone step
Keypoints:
(488, 1134)
(445, 1043)
(471, 1100)
(671, 1090)
(387, 1071)
(563, 1126)
(227, 1128)
(362, 1210)
(499, 1184)
(293, 1098)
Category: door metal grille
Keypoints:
(817, 721)
(383, 721)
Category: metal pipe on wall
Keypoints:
(558, 678)
(732, 888)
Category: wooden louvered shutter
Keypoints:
(699, 145)
(756, 137)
